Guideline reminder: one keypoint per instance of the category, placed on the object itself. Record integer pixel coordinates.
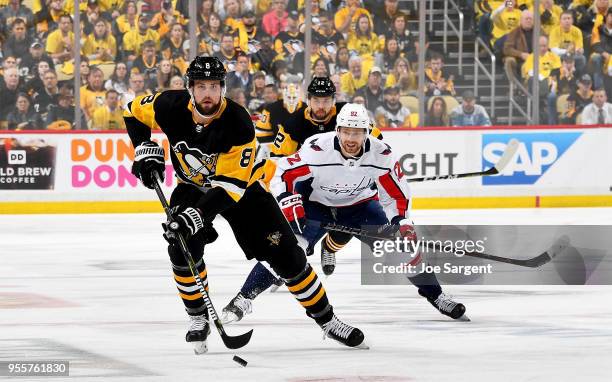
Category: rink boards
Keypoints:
(57, 172)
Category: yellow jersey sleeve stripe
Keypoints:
(143, 109)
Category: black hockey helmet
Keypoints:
(321, 87)
(205, 68)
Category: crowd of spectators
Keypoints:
(129, 48)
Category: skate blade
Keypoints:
(200, 347)
(362, 346)
(463, 318)
(274, 288)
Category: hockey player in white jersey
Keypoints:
(347, 178)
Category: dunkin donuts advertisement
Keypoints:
(27, 163)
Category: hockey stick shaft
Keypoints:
(533, 262)
(508, 154)
(231, 342)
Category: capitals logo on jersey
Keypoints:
(195, 165)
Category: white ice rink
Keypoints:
(97, 290)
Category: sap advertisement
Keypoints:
(537, 153)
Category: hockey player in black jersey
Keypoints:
(318, 116)
(212, 142)
(277, 113)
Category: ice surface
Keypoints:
(96, 290)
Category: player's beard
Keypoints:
(319, 115)
(353, 148)
(208, 107)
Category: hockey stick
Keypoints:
(559, 245)
(511, 149)
(231, 342)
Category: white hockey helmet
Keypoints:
(353, 115)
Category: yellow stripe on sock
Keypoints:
(302, 285)
(315, 299)
(189, 279)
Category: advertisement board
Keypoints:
(85, 172)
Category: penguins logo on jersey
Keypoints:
(195, 165)
(274, 238)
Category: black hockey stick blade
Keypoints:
(236, 342)
(511, 149)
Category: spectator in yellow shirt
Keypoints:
(505, 19)
(110, 115)
(354, 78)
(128, 20)
(346, 18)
(100, 46)
(436, 81)
(548, 62)
(550, 15)
(167, 16)
(363, 41)
(133, 40)
(402, 76)
(567, 39)
(60, 42)
(92, 96)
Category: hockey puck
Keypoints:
(240, 361)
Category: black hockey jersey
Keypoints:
(271, 117)
(220, 154)
(300, 126)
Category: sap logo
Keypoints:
(16, 157)
(537, 152)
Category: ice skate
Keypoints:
(237, 308)
(197, 333)
(343, 333)
(328, 261)
(445, 305)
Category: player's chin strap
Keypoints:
(197, 109)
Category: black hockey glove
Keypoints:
(148, 160)
(188, 222)
(399, 227)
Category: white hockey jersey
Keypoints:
(339, 182)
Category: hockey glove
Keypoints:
(399, 227)
(293, 209)
(188, 222)
(148, 160)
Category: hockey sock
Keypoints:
(428, 284)
(189, 290)
(308, 290)
(334, 243)
(258, 281)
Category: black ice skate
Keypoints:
(197, 333)
(328, 261)
(237, 308)
(343, 333)
(448, 307)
